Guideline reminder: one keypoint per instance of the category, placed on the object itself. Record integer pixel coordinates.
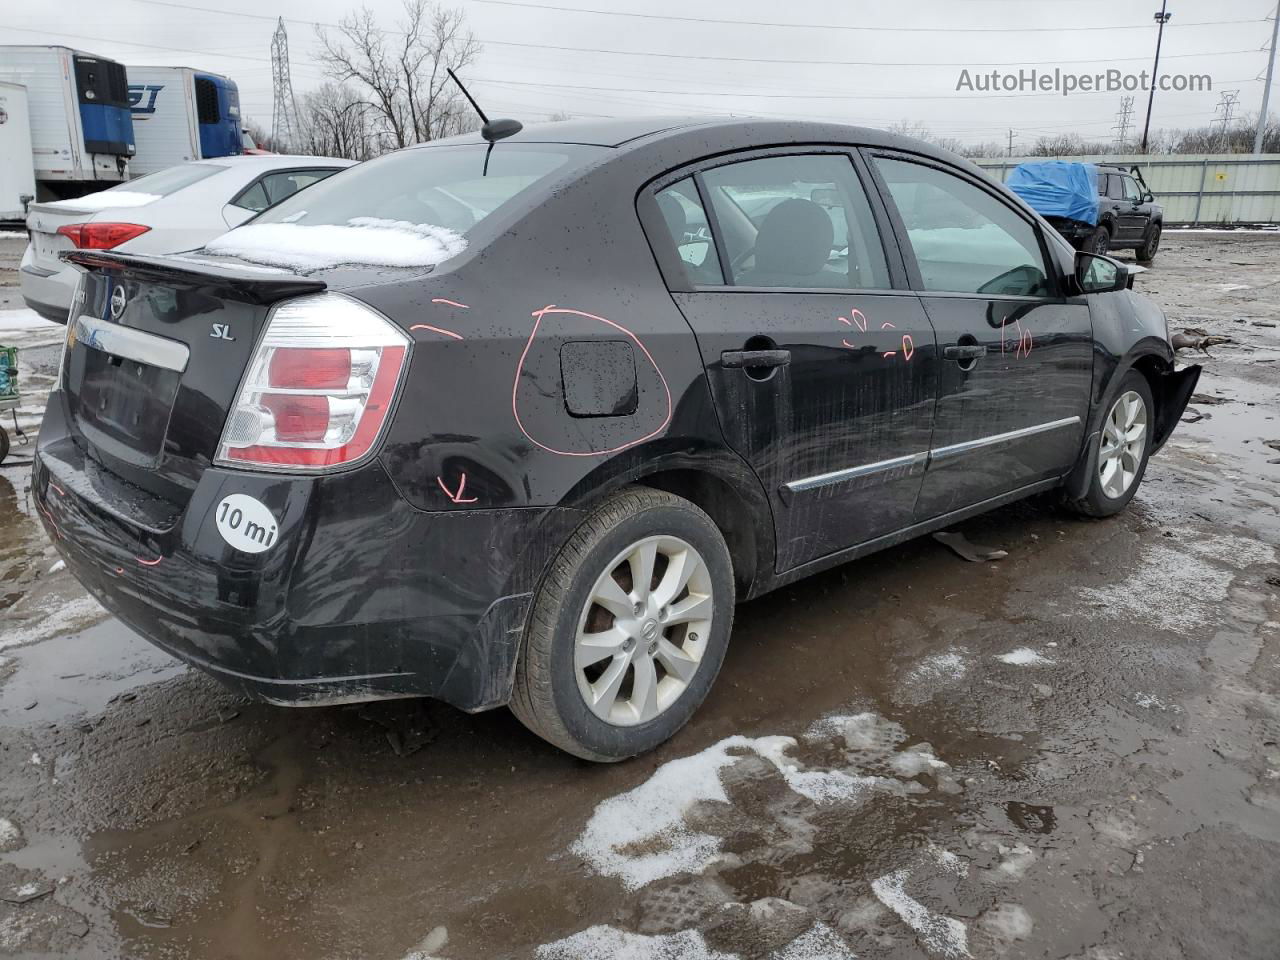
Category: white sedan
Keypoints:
(177, 209)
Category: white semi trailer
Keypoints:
(182, 114)
(17, 171)
(81, 127)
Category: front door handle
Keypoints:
(755, 359)
(968, 351)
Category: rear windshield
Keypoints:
(169, 181)
(438, 186)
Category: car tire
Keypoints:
(1099, 242)
(566, 700)
(1119, 466)
(4, 444)
(1147, 252)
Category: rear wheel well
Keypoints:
(727, 509)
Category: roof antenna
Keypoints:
(493, 130)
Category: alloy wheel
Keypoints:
(1124, 440)
(643, 630)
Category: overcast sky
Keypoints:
(871, 63)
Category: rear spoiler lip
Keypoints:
(253, 284)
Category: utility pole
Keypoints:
(284, 112)
(1010, 150)
(1266, 87)
(1124, 116)
(1161, 18)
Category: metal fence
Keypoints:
(1209, 190)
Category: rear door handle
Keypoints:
(969, 351)
(755, 359)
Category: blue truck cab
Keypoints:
(218, 114)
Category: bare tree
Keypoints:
(336, 122)
(401, 74)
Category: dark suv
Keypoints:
(519, 422)
(1128, 215)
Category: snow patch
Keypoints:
(1008, 921)
(1179, 581)
(820, 942)
(105, 200)
(15, 321)
(945, 936)
(9, 833)
(603, 942)
(916, 760)
(939, 667)
(56, 617)
(362, 240)
(1152, 701)
(641, 836)
(60, 565)
(1024, 657)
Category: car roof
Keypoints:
(613, 132)
(274, 160)
(712, 133)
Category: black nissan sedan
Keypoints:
(517, 421)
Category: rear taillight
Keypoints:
(101, 236)
(319, 388)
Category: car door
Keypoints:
(1017, 358)
(1133, 214)
(820, 362)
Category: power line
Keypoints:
(778, 96)
(719, 59)
(835, 26)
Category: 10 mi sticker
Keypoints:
(245, 523)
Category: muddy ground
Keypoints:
(1072, 752)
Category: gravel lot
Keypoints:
(1072, 752)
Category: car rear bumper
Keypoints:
(360, 597)
(47, 292)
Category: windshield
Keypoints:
(436, 186)
(168, 181)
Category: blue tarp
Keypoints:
(1054, 188)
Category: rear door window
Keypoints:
(686, 222)
(797, 221)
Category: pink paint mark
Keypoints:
(515, 386)
(847, 344)
(845, 321)
(119, 570)
(53, 523)
(452, 303)
(886, 326)
(889, 353)
(149, 563)
(860, 319)
(427, 326)
(908, 347)
(61, 492)
(457, 496)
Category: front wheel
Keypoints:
(1147, 252)
(628, 629)
(1124, 445)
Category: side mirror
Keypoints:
(1148, 197)
(1098, 274)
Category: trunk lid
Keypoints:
(155, 354)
